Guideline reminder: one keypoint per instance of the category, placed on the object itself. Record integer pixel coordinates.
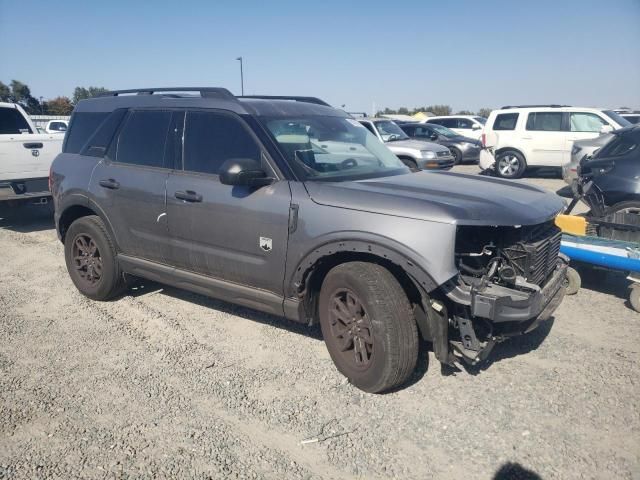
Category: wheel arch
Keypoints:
(511, 149)
(74, 211)
(310, 272)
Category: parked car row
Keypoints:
(530, 136)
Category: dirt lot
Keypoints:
(163, 383)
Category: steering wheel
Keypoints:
(392, 136)
(348, 163)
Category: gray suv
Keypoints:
(291, 207)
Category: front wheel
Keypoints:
(510, 164)
(368, 326)
(457, 155)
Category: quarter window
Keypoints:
(143, 138)
(586, 122)
(505, 121)
(213, 138)
(545, 121)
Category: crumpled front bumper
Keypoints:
(493, 313)
(501, 304)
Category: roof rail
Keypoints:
(534, 106)
(315, 100)
(204, 91)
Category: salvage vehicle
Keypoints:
(580, 150)
(289, 206)
(415, 154)
(530, 136)
(608, 181)
(25, 157)
(463, 149)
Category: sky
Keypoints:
(361, 54)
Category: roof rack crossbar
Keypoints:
(534, 106)
(315, 100)
(204, 91)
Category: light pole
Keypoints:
(241, 76)
(41, 107)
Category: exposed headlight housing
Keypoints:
(428, 154)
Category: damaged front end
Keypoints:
(511, 279)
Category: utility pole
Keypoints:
(241, 76)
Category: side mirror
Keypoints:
(433, 136)
(244, 171)
(606, 129)
(475, 126)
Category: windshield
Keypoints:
(390, 131)
(332, 149)
(481, 120)
(623, 122)
(443, 130)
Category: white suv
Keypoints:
(516, 138)
(469, 126)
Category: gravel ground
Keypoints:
(164, 384)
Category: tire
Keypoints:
(631, 206)
(382, 350)
(457, 155)
(634, 297)
(91, 259)
(412, 164)
(510, 164)
(572, 282)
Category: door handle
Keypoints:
(188, 196)
(31, 146)
(110, 183)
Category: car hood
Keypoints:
(416, 145)
(443, 197)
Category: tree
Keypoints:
(21, 94)
(484, 112)
(465, 112)
(439, 109)
(59, 106)
(81, 93)
(403, 111)
(5, 93)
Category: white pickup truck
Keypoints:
(25, 157)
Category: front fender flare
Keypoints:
(298, 279)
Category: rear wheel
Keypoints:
(91, 259)
(368, 326)
(510, 164)
(634, 297)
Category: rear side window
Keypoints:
(465, 123)
(545, 121)
(446, 122)
(12, 122)
(586, 122)
(143, 138)
(505, 121)
(58, 126)
(83, 126)
(211, 138)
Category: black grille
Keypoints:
(535, 256)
